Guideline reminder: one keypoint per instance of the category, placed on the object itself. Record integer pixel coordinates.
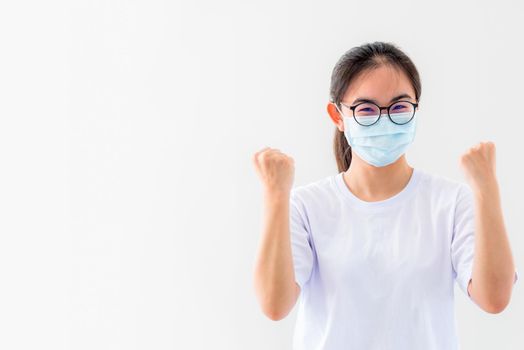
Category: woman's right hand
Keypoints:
(274, 281)
(275, 169)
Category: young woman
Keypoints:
(373, 251)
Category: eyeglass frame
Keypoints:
(352, 108)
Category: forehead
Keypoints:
(380, 84)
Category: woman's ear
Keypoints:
(335, 116)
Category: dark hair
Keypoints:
(349, 66)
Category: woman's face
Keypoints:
(383, 85)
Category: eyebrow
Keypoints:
(363, 99)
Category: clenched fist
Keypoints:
(478, 165)
(275, 169)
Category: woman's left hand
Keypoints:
(493, 274)
(478, 165)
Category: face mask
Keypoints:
(381, 143)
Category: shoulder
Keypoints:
(315, 192)
(442, 186)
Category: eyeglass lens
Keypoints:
(368, 113)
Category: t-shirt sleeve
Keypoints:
(301, 247)
(463, 242)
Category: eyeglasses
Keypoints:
(368, 113)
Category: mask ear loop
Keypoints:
(336, 106)
(346, 129)
(338, 110)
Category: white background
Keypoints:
(130, 211)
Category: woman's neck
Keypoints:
(373, 184)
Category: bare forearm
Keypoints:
(274, 274)
(493, 268)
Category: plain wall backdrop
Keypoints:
(130, 211)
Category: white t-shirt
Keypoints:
(379, 275)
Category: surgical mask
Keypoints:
(381, 143)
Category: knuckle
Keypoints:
(263, 156)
